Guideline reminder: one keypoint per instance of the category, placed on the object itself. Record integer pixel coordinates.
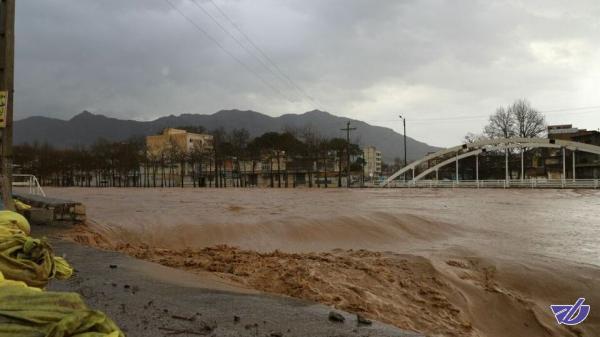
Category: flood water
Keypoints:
(560, 223)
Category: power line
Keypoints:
(215, 41)
(263, 54)
(572, 109)
(577, 111)
(239, 43)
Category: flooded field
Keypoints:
(442, 262)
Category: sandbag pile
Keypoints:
(14, 220)
(21, 206)
(29, 312)
(26, 267)
(23, 258)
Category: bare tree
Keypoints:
(501, 124)
(519, 119)
(311, 139)
(471, 138)
(529, 123)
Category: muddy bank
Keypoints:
(454, 293)
(150, 300)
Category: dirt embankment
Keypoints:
(454, 294)
(390, 288)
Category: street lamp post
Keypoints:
(404, 124)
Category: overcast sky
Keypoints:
(445, 65)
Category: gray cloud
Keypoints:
(431, 60)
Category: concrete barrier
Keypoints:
(48, 211)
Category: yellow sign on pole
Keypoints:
(3, 108)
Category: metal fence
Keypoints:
(29, 183)
(518, 183)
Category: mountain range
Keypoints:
(85, 128)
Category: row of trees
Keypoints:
(234, 159)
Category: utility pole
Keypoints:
(404, 124)
(7, 69)
(348, 129)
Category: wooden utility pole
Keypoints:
(348, 129)
(7, 70)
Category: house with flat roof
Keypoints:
(180, 140)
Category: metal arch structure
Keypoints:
(500, 143)
(479, 151)
(446, 162)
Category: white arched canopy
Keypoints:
(471, 149)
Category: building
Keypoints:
(372, 158)
(587, 165)
(178, 139)
(568, 132)
(562, 131)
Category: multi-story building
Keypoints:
(174, 142)
(179, 139)
(562, 131)
(372, 158)
(587, 165)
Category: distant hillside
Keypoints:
(85, 128)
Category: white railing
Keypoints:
(28, 182)
(517, 183)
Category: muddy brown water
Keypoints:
(480, 262)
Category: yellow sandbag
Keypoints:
(7, 231)
(30, 260)
(14, 220)
(29, 312)
(21, 206)
(5, 283)
(63, 268)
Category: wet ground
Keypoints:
(147, 300)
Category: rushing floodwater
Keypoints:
(558, 223)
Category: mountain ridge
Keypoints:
(86, 127)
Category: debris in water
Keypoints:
(336, 317)
(361, 320)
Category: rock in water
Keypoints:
(336, 317)
(361, 320)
